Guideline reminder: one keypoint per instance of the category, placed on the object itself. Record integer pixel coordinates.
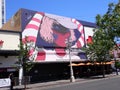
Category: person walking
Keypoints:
(11, 76)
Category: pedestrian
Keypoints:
(11, 76)
(88, 72)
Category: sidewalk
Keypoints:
(61, 82)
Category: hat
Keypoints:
(65, 21)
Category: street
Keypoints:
(94, 84)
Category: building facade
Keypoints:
(50, 35)
(53, 40)
(9, 41)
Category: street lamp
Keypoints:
(69, 44)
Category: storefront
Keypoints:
(8, 52)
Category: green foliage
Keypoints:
(23, 56)
(103, 38)
(117, 64)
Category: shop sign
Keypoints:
(4, 82)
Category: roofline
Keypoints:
(10, 31)
(88, 24)
(84, 23)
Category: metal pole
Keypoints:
(115, 56)
(20, 74)
(72, 78)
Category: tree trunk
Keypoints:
(103, 69)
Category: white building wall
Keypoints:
(0, 13)
(10, 41)
(88, 32)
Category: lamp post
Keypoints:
(72, 78)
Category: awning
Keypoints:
(89, 63)
(85, 64)
(73, 64)
(9, 52)
(81, 64)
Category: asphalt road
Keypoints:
(99, 84)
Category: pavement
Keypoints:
(43, 85)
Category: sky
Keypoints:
(85, 10)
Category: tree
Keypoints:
(23, 59)
(103, 38)
(98, 51)
(110, 22)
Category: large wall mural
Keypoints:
(48, 36)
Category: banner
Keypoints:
(4, 82)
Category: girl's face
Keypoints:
(54, 33)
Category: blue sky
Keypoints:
(80, 9)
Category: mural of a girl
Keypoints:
(50, 32)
